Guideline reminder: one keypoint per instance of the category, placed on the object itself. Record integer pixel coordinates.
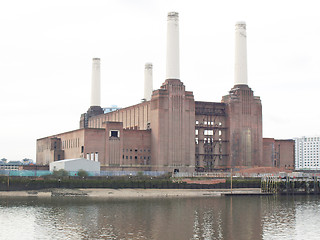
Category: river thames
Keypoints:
(225, 217)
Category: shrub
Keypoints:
(82, 173)
(60, 173)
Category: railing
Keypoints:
(40, 173)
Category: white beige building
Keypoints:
(307, 153)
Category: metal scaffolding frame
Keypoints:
(210, 148)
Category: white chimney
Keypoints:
(95, 82)
(240, 64)
(148, 82)
(173, 71)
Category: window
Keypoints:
(208, 132)
(82, 149)
(88, 156)
(197, 122)
(197, 131)
(96, 157)
(114, 133)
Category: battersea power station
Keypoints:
(169, 130)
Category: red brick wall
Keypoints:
(285, 148)
(136, 147)
(173, 127)
(268, 152)
(244, 112)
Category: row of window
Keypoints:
(310, 143)
(135, 150)
(208, 123)
(311, 139)
(6, 167)
(136, 157)
(207, 132)
(207, 140)
(94, 156)
(70, 143)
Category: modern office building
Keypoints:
(307, 153)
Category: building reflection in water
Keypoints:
(228, 218)
(197, 218)
(236, 217)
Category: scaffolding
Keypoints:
(211, 136)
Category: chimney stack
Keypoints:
(148, 81)
(240, 65)
(173, 71)
(95, 82)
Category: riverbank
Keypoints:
(129, 193)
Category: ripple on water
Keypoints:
(205, 218)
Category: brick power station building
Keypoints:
(169, 130)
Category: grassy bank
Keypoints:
(145, 182)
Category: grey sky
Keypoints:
(47, 47)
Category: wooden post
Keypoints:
(231, 180)
(8, 180)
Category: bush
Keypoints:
(60, 173)
(82, 173)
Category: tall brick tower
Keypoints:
(173, 112)
(244, 111)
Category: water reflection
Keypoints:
(192, 218)
(229, 218)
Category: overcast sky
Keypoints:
(46, 51)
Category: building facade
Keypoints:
(169, 130)
(307, 153)
(279, 153)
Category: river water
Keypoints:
(236, 217)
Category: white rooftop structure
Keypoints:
(75, 165)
